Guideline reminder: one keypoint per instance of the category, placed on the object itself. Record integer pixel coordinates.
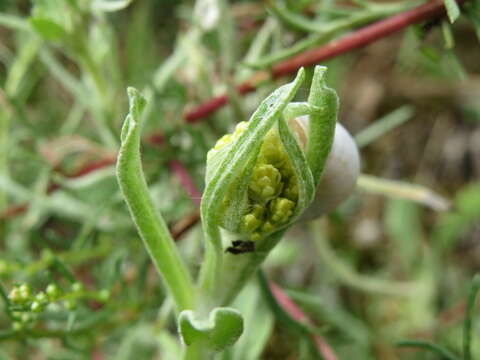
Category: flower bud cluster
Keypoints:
(228, 138)
(272, 190)
(25, 305)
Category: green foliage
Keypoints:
(453, 10)
(466, 213)
(467, 330)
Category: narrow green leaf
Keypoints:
(403, 190)
(447, 35)
(425, 345)
(48, 29)
(150, 224)
(20, 69)
(13, 22)
(453, 11)
(467, 326)
(294, 20)
(322, 123)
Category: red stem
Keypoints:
(361, 37)
(354, 40)
(295, 312)
(215, 103)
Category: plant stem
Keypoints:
(403, 190)
(191, 352)
(209, 273)
(149, 222)
(237, 269)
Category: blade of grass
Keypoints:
(403, 190)
(425, 345)
(467, 326)
(453, 11)
(384, 125)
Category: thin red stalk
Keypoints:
(285, 302)
(295, 312)
(214, 104)
(361, 37)
(354, 40)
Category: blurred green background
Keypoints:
(393, 262)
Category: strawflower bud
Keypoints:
(260, 179)
(272, 188)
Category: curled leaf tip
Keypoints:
(136, 105)
(320, 71)
(137, 102)
(222, 328)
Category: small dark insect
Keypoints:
(241, 247)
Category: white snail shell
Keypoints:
(341, 170)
